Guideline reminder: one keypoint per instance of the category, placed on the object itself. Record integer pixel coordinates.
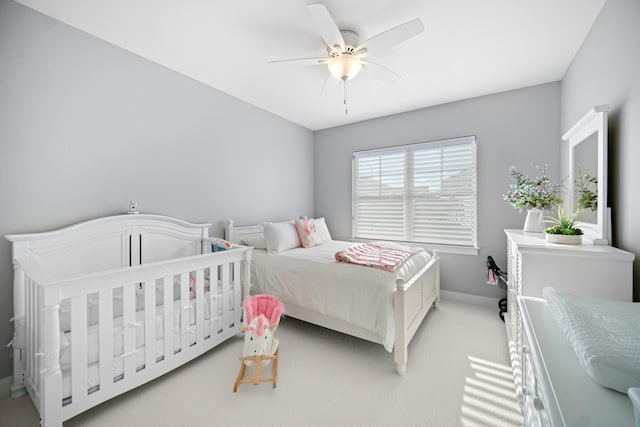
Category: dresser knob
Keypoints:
(538, 403)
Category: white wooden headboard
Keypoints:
(110, 242)
(235, 234)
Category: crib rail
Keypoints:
(207, 313)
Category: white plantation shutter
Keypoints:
(417, 193)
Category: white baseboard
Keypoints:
(5, 386)
(469, 299)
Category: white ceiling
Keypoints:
(469, 48)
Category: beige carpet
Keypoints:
(458, 375)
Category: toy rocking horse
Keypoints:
(261, 318)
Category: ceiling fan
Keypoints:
(347, 55)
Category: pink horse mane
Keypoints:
(266, 307)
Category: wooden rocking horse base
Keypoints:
(257, 365)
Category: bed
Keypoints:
(106, 305)
(369, 303)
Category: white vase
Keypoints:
(534, 223)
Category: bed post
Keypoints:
(436, 285)
(51, 397)
(228, 232)
(230, 235)
(400, 343)
(246, 276)
(17, 388)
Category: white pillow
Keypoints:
(321, 226)
(281, 236)
(258, 241)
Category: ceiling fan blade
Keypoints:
(330, 82)
(303, 61)
(326, 25)
(393, 36)
(380, 72)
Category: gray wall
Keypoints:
(514, 128)
(606, 70)
(86, 126)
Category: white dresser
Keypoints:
(532, 264)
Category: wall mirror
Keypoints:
(587, 187)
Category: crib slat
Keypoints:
(185, 312)
(226, 295)
(31, 358)
(39, 320)
(105, 325)
(168, 318)
(210, 332)
(237, 294)
(199, 306)
(29, 343)
(78, 348)
(213, 300)
(50, 383)
(130, 326)
(149, 324)
(19, 351)
(37, 335)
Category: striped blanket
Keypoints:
(384, 255)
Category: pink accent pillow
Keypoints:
(308, 232)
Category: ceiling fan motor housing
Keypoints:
(345, 66)
(350, 43)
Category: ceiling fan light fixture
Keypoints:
(345, 67)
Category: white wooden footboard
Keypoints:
(411, 303)
(42, 371)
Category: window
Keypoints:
(422, 193)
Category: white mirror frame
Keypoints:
(595, 121)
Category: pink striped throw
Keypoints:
(384, 255)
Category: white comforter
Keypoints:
(311, 278)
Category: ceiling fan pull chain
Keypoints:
(345, 96)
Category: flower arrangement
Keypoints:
(587, 189)
(564, 224)
(532, 193)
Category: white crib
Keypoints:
(90, 316)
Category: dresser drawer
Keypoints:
(535, 409)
